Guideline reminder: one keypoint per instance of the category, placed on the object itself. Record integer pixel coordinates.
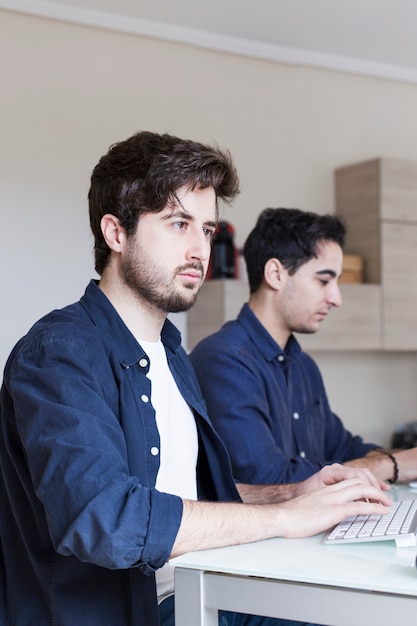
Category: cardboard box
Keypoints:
(352, 269)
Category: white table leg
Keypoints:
(189, 600)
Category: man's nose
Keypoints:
(200, 247)
(335, 296)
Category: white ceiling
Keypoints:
(373, 37)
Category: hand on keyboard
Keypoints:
(400, 524)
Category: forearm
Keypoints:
(383, 466)
(379, 464)
(207, 525)
(266, 494)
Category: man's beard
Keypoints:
(143, 278)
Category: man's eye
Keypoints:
(209, 232)
(324, 282)
(181, 225)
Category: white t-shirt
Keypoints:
(178, 442)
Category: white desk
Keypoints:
(300, 579)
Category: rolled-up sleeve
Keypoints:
(69, 443)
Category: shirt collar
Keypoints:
(263, 341)
(104, 315)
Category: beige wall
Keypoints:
(68, 92)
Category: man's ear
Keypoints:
(114, 234)
(274, 273)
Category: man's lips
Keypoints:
(192, 275)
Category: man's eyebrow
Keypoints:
(331, 273)
(182, 213)
(186, 215)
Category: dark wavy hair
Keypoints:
(290, 235)
(142, 174)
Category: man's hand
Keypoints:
(335, 473)
(324, 507)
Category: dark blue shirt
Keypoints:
(269, 405)
(82, 528)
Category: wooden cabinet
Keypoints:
(378, 201)
(399, 284)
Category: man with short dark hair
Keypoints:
(109, 462)
(266, 396)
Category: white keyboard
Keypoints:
(400, 524)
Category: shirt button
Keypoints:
(154, 451)
(144, 398)
(296, 415)
(281, 358)
(143, 362)
(302, 454)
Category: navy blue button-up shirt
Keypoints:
(82, 528)
(269, 405)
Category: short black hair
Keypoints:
(290, 235)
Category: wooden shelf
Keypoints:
(378, 201)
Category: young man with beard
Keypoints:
(109, 462)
